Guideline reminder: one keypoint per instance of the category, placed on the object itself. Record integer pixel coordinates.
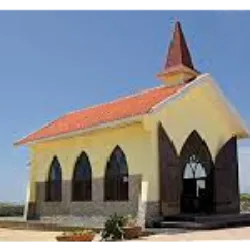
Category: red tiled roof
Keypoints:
(126, 107)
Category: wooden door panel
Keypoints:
(170, 175)
(226, 195)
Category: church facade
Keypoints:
(164, 151)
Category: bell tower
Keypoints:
(179, 67)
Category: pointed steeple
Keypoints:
(179, 67)
(178, 53)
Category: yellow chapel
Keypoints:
(163, 151)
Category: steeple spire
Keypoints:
(179, 67)
(178, 53)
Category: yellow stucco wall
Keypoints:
(134, 141)
(174, 78)
(198, 109)
(195, 110)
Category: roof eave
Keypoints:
(113, 124)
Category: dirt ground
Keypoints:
(169, 235)
(26, 235)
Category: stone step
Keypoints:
(208, 218)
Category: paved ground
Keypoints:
(219, 234)
(168, 235)
(26, 235)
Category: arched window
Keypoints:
(116, 177)
(54, 183)
(81, 181)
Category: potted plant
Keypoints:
(120, 227)
(113, 228)
(131, 229)
(80, 235)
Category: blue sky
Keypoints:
(54, 62)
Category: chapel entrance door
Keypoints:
(197, 176)
(195, 196)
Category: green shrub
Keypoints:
(245, 197)
(11, 209)
(113, 228)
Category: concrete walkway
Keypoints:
(220, 234)
(167, 235)
(26, 235)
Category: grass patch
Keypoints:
(245, 197)
(8, 209)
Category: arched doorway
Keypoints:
(197, 176)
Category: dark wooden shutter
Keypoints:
(82, 179)
(123, 188)
(170, 175)
(116, 174)
(87, 190)
(226, 194)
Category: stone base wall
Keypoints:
(152, 212)
(145, 217)
(93, 213)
